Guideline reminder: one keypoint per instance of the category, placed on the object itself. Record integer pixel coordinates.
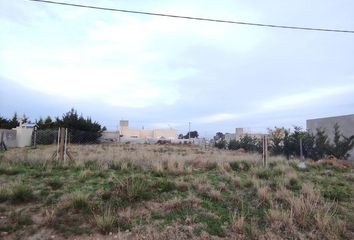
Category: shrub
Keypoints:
(55, 183)
(234, 145)
(21, 218)
(235, 166)
(133, 188)
(342, 145)
(105, 222)
(221, 144)
(79, 200)
(263, 173)
(21, 193)
(4, 194)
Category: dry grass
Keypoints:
(171, 192)
(106, 221)
(147, 157)
(238, 223)
(236, 181)
(214, 195)
(262, 193)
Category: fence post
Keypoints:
(2, 143)
(265, 150)
(35, 137)
(61, 144)
(301, 150)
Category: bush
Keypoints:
(55, 183)
(105, 222)
(250, 144)
(342, 145)
(234, 145)
(79, 200)
(4, 194)
(221, 144)
(21, 193)
(133, 188)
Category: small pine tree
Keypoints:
(342, 145)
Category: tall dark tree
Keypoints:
(10, 123)
(193, 134)
(218, 136)
(342, 145)
(81, 130)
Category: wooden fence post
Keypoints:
(61, 144)
(265, 150)
(301, 150)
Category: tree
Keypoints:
(180, 136)
(221, 144)
(277, 140)
(250, 144)
(10, 123)
(219, 135)
(81, 130)
(234, 145)
(342, 145)
(193, 134)
(321, 144)
(292, 141)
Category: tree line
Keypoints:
(82, 130)
(286, 142)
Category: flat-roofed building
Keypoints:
(126, 131)
(345, 123)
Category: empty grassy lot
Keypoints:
(170, 192)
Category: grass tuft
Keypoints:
(79, 200)
(21, 193)
(106, 221)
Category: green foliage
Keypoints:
(79, 200)
(221, 144)
(218, 136)
(55, 183)
(21, 193)
(336, 193)
(234, 145)
(133, 188)
(213, 224)
(315, 146)
(277, 140)
(250, 144)
(20, 218)
(4, 194)
(10, 123)
(193, 134)
(82, 130)
(342, 145)
(263, 173)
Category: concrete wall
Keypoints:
(9, 137)
(346, 126)
(166, 133)
(23, 136)
(109, 136)
(145, 133)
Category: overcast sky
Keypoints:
(163, 72)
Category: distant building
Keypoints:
(241, 133)
(345, 123)
(125, 131)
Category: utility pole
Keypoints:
(189, 132)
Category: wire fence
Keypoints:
(50, 136)
(44, 137)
